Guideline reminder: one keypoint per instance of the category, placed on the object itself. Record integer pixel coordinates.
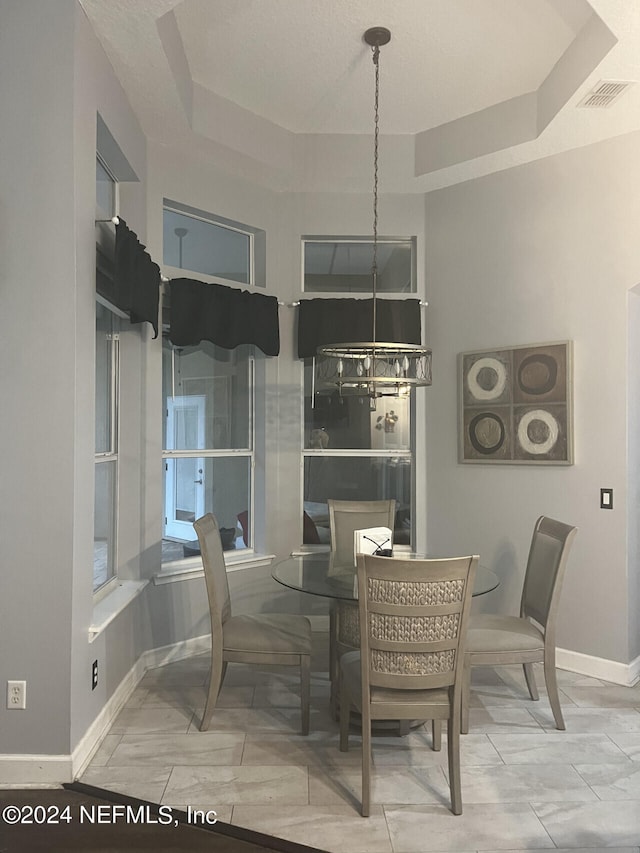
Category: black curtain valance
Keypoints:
(223, 315)
(339, 321)
(136, 279)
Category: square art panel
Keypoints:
(516, 405)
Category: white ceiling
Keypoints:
(282, 90)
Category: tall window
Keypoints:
(106, 391)
(208, 445)
(353, 449)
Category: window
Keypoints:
(354, 452)
(106, 392)
(200, 242)
(208, 445)
(343, 265)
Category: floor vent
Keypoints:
(605, 93)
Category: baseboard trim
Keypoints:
(34, 771)
(626, 674)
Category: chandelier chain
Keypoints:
(376, 134)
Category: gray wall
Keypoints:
(544, 252)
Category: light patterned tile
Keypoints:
(194, 698)
(414, 752)
(142, 782)
(337, 829)
(192, 749)
(600, 824)
(612, 781)
(389, 785)
(264, 720)
(316, 748)
(421, 829)
(149, 720)
(212, 786)
(521, 783)
(605, 696)
(556, 747)
(105, 750)
(494, 720)
(604, 720)
(629, 743)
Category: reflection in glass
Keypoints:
(196, 485)
(104, 523)
(342, 266)
(356, 478)
(206, 397)
(203, 246)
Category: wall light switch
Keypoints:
(606, 498)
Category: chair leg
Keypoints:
(216, 677)
(305, 691)
(453, 755)
(466, 695)
(366, 764)
(436, 735)
(345, 713)
(530, 678)
(552, 687)
(334, 663)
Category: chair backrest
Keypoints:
(415, 613)
(548, 554)
(345, 517)
(215, 572)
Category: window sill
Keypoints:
(106, 610)
(189, 569)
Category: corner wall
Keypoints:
(543, 252)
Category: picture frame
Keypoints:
(516, 405)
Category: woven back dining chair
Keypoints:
(413, 618)
(283, 639)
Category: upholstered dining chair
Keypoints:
(413, 619)
(496, 639)
(345, 517)
(281, 639)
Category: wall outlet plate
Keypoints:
(16, 695)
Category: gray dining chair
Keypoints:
(280, 639)
(345, 517)
(413, 619)
(496, 639)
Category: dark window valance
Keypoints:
(338, 321)
(136, 280)
(223, 315)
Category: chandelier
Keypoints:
(374, 368)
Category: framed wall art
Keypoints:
(516, 405)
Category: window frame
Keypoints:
(105, 236)
(255, 267)
(363, 240)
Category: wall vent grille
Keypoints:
(605, 93)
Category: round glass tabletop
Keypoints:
(317, 574)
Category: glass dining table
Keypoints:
(318, 574)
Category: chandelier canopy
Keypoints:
(374, 368)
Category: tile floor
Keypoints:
(525, 785)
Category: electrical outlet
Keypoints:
(94, 675)
(16, 695)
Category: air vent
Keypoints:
(605, 93)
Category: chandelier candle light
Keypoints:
(373, 368)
